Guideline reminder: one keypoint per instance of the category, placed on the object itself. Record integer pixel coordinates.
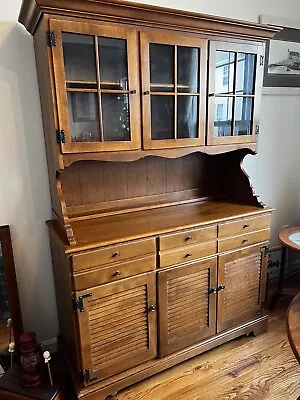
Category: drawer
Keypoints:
(187, 253)
(189, 237)
(111, 254)
(241, 241)
(114, 272)
(245, 225)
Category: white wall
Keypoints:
(24, 192)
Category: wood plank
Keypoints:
(247, 368)
(120, 228)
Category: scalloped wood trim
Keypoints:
(66, 223)
(145, 15)
(128, 156)
(234, 182)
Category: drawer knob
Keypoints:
(245, 241)
(213, 291)
(188, 238)
(116, 254)
(152, 308)
(117, 273)
(221, 287)
(188, 255)
(246, 226)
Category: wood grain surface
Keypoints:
(293, 325)
(262, 368)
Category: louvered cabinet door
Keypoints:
(187, 305)
(118, 325)
(241, 283)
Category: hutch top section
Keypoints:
(147, 81)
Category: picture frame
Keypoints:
(84, 106)
(8, 285)
(282, 61)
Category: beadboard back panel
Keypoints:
(86, 184)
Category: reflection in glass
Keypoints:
(84, 116)
(243, 115)
(224, 74)
(162, 117)
(245, 73)
(161, 67)
(223, 116)
(188, 69)
(187, 126)
(116, 117)
(295, 237)
(79, 57)
(113, 63)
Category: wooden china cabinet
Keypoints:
(158, 241)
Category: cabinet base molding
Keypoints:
(110, 387)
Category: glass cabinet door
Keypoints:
(97, 86)
(174, 90)
(235, 80)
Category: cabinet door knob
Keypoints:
(213, 291)
(117, 273)
(211, 95)
(147, 92)
(221, 287)
(188, 255)
(245, 241)
(188, 238)
(152, 308)
(246, 226)
(116, 254)
(132, 91)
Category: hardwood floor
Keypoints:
(261, 368)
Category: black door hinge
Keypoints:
(78, 304)
(60, 136)
(87, 377)
(52, 39)
(256, 129)
(261, 60)
(265, 250)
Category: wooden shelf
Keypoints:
(102, 231)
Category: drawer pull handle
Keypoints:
(152, 308)
(117, 273)
(221, 287)
(213, 291)
(246, 226)
(116, 254)
(245, 241)
(188, 238)
(188, 255)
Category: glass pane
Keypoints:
(79, 58)
(224, 71)
(187, 126)
(223, 116)
(116, 117)
(113, 63)
(243, 115)
(188, 69)
(84, 116)
(162, 117)
(162, 67)
(245, 73)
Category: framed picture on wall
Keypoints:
(282, 63)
